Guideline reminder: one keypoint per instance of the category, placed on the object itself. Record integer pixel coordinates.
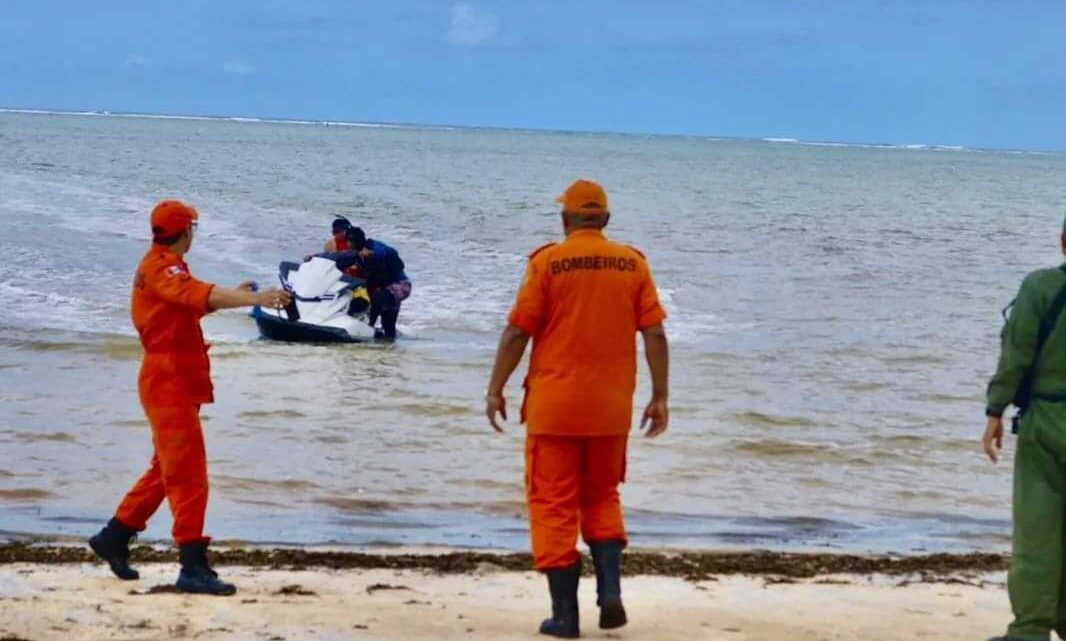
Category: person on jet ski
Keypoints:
(339, 243)
(384, 272)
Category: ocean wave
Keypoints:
(52, 299)
(252, 120)
(104, 114)
(760, 419)
(30, 308)
(365, 125)
(24, 494)
(355, 505)
(41, 437)
(77, 207)
(868, 145)
(235, 119)
(271, 415)
(244, 484)
(773, 448)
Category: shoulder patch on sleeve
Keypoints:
(541, 248)
(165, 268)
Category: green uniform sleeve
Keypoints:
(1018, 346)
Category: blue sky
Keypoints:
(980, 73)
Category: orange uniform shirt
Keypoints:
(583, 301)
(167, 304)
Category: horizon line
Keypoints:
(543, 130)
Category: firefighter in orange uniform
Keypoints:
(582, 302)
(175, 380)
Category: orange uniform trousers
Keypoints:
(572, 487)
(178, 473)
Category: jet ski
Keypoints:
(327, 306)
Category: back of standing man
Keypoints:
(582, 302)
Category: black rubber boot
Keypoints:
(607, 557)
(564, 622)
(112, 544)
(196, 576)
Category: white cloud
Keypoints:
(470, 27)
(138, 60)
(238, 68)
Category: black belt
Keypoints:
(1057, 397)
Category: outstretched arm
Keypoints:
(243, 296)
(513, 343)
(174, 284)
(343, 260)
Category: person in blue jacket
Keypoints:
(385, 277)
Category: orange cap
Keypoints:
(171, 217)
(584, 197)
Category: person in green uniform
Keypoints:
(1036, 578)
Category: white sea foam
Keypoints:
(235, 119)
(864, 145)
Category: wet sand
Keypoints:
(51, 592)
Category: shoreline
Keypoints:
(691, 566)
(474, 596)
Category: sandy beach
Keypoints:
(319, 594)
